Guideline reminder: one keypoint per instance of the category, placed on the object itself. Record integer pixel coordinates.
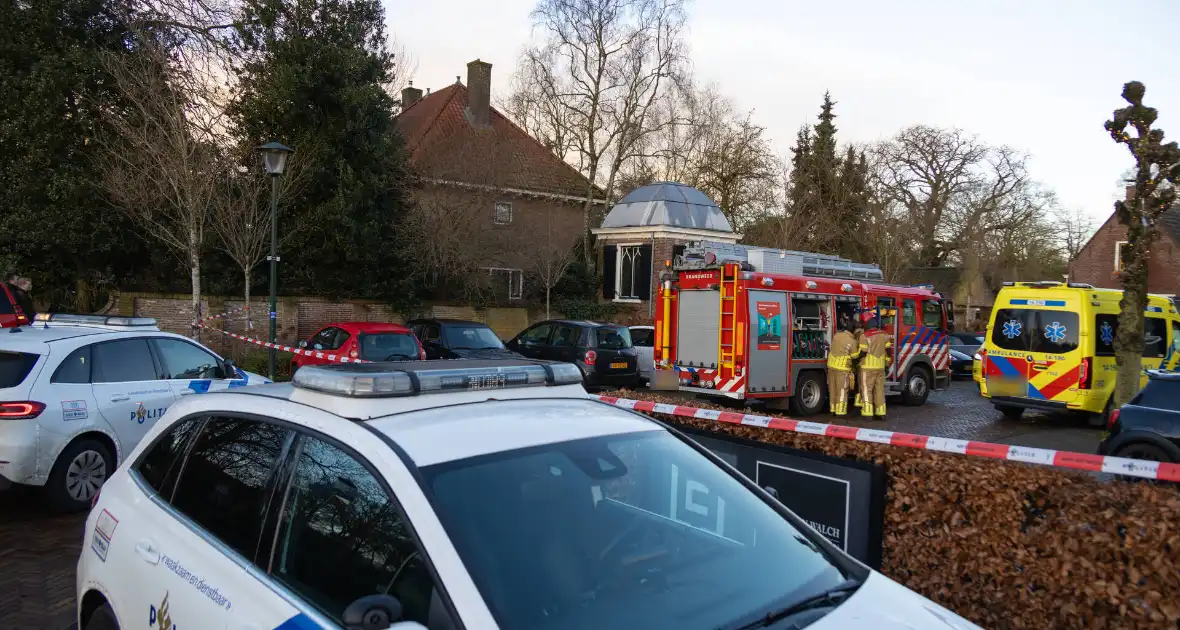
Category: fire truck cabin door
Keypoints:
(769, 338)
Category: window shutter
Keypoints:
(608, 271)
(643, 275)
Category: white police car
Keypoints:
(493, 494)
(79, 391)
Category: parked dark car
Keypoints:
(603, 351)
(967, 342)
(459, 339)
(961, 364)
(1148, 427)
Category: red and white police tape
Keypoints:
(232, 311)
(319, 354)
(1029, 455)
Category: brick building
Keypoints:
(648, 226)
(493, 200)
(1097, 263)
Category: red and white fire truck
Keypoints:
(754, 323)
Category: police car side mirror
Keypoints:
(227, 369)
(373, 612)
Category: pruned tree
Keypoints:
(1157, 173)
(590, 87)
(155, 165)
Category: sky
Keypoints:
(1040, 76)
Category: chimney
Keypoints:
(479, 93)
(1130, 192)
(410, 95)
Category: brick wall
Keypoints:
(300, 317)
(1095, 264)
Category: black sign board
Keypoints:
(842, 499)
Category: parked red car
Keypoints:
(370, 341)
(11, 314)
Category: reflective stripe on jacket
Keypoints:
(875, 346)
(843, 351)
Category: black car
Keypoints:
(603, 351)
(459, 339)
(1148, 427)
(961, 364)
(967, 342)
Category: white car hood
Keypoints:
(882, 604)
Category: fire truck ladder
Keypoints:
(727, 341)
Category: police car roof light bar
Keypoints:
(412, 378)
(101, 320)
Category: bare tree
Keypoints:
(1076, 229)
(588, 88)
(1157, 173)
(241, 214)
(953, 187)
(155, 165)
(551, 262)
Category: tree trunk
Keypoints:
(194, 261)
(587, 205)
(1129, 343)
(82, 295)
(249, 317)
(546, 301)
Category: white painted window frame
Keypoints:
(1118, 255)
(496, 216)
(619, 247)
(515, 280)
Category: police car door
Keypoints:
(127, 388)
(191, 369)
(184, 553)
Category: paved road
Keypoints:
(38, 552)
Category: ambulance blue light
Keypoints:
(411, 378)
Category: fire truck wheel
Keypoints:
(809, 394)
(917, 387)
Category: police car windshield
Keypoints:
(626, 531)
(471, 338)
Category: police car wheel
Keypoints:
(102, 619)
(79, 472)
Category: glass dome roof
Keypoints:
(667, 204)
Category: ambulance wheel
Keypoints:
(809, 394)
(1010, 413)
(917, 387)
(102, 619)
(1100, 420)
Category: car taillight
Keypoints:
(1084, 374)
(421, 354)
(590, 358)
(94, 499)
(1114, 417)
(22, 410)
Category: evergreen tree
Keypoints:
(56, 227)
(799, 191)
(314, 80)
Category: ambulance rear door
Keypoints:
(1034, 349)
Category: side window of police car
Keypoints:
(184, 360)
(161, 463)
(341, 537)
(123, 361)
(224, 485)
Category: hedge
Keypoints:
(1012, 545)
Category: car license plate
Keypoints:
(618, 365)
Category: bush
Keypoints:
(1011, 545)
(582, 308)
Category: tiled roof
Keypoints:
(444, 145)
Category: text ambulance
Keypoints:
(750, 323)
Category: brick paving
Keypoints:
(38, 552)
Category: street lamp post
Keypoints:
(274, 160)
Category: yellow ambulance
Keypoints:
(1050, 346)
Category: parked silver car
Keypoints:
(643, 338)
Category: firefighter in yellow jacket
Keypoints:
(844, 349)
(877, 349)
